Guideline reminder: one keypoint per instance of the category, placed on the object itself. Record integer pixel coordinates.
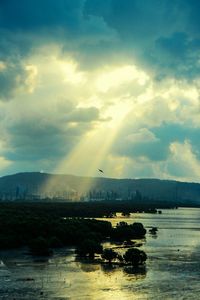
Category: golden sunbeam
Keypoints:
(85, 159)
(91, 153)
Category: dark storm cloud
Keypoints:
(161, 35)
(61, 20)
(153, 149)
(176, 56)
(157, 148)
(170, 133)
(37, 136)
(11, 78)
(14, 48)
(35, 14)
(27, 25)
(157, 34)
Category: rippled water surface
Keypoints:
(172, 269)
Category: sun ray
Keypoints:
(91, 153)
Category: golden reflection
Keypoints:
(89, 267)
(113, 283)
(135, 273)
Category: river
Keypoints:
(172, 268)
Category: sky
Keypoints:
(89, 84)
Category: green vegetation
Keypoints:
(132, 256)
(153, 230)
(109, 255)
(95, 209)
(89, 248)
(125, 232)
(135, 256)
(30, 225)
(42, 227)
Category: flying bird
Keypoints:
(100, 170)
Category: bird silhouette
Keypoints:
(100, 170)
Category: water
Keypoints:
(172, 269)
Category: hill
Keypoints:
(35, 186)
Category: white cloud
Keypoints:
(62, 107)
(117, 76)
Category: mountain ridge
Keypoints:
(39, 185)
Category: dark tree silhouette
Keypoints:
(124, 232)
(135, 256)
(109, 254)
(153, 230)
(89, 248)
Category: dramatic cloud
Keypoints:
(44, 138)
(90, 83)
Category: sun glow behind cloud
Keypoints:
(89, 71)
(72, 75)
(2, 66)
(117, 76)
(122, 95)
(86, 88)
(93, 151)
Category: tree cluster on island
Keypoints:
(42, 231)
(133, 256)
(121, 233)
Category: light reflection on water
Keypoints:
(172, 269)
